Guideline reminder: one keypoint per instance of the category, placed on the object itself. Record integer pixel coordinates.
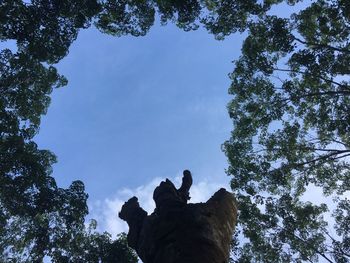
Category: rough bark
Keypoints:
(177, 232)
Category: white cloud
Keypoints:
(202, 191)
(106, 211)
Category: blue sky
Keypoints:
(136, 109)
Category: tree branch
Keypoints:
(342, 251)
(317, 251)
(322, 46)
(324, 157)
(318, 76)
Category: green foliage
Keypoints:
(126, 17)
(37, 218)
(45, 28)
(121, 17)
(91, 246)
(290, 113)
(291, 134)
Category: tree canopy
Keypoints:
(38, 218)
(291, 134)
(290, 113)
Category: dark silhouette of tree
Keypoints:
(45, 29)
(38, 218)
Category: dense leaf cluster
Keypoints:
(291, 135)
(38, 218)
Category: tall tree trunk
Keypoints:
(177, 232)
